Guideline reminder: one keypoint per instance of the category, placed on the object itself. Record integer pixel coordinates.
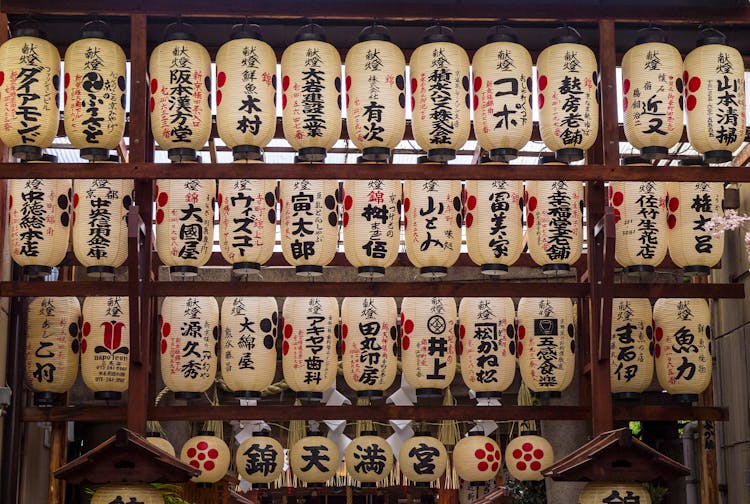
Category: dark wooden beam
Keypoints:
(80, 289)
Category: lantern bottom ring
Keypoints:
(370, 394)
(429, 392)
(489, 395)
(247, 394)
(95, 154)
(107, 395)
(504, 154)
(441, 155)
(312, 154)
(183, 271)
(551, 269)
(310, 396)
(696, 270)
(27, 152)
(569, 155)
(371, 271)
(153, 434)
(309, 270)
(37, 271)
(247, 153)
(367, 484)
(45, 399)
(376, 153)
(477, 483)
(102, 272)
(530, 432)
(639, 268)
(246, 268)
(685, 398)
(187, 396)
(627, 396)
(547, 395)
(315, 485)
(433, 271)
(654, 152)
(423, 484)
(717, 156)
(181, 154)
(494, 269)
(260, 486)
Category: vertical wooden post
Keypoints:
(57, 458)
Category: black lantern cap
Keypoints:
(502, 33)
(438, 33)
(651, 34)
(179, 31)
(310, 31)
(97, 28)
(246, 31)
(710, 35)
(633, 160)
(374, 32)
(29, 28)
(566, 35)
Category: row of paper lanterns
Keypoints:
(487, 333)
(657, 87)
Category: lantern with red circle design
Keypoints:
(527, 456)
(477, 458)
(631, 354)
(208, 453)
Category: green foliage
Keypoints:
(636, 428)
(656, 492)
(527, 492)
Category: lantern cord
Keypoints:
(448, 432)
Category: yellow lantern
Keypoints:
(546, 344)
(368, 344)
(29, 87)
(652, 100)
(309, 224)
(568, 96)
(477, 458)
(486, 343)
(52, 331)
(369, 459)
(604, 493)
(371, 229)
(248, 344)
(105, 346)
(428, 343)
(156, 439)
(308, 349)
(94, 96)
(683, 347)
(432, 224)
(714, 78)
(440, 87)
(184, 223)
(314, 459)
(502, 96)
(527, 456)
(189, 328)
(311, 94)
(422, 459)
(260, 460)
(631, 355)
(127, 492)
(180, 104)
(208, 453)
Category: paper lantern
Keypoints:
(375, 94)
(487, 344)
(309, 224)
(527, 456)
(94, 95)
(127, 492)
(683, 347)
(156, 439)
(502, 96)
(372, 210)
(260, 460)
(369, 459)
(208, 453)
(52, 331)
(314, 459)
(440, 87)
(631, 355)
(428, 343)
(714, 78)
(692, 245)
(311, 94)
(184, 224)
(422, 459)
(189, 328)
(605, 493)
(29, 87)
(39, 220)
(247, 223)
(432, 224)
(652, 100)
(248, 344)
(546, 344)
(180, 104)
(368, 344)
(568, 96)
(105, 346)
(476, 458)
(494, 223)
(100, 227)
(309, 360)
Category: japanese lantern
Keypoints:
(369, 459)
(527, 455)
(692, 245)
(652, 99)
(105, 346)
(605, 493)
(375, 94)
(127, 492)
(422, 459)
(184, 223)
(640, 221)
(94, 96)
(180, 104)
(428, 343)
(309, 224)
(487, 344)
(476, 458)
(432, 224)
(156, 439)
(248, 344)
(208, 453)
(311, 94)
(52, 345)
(189, 328)
(546, 344)
(260, 460)
(631, 355)
(29, 87)
(368, 344)
(100, 227)
(683, 346)
(372, 210)
(568, 97)
(314, 459)
(715, 97)
(308, 349)
(502, 96)
(440, 87)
